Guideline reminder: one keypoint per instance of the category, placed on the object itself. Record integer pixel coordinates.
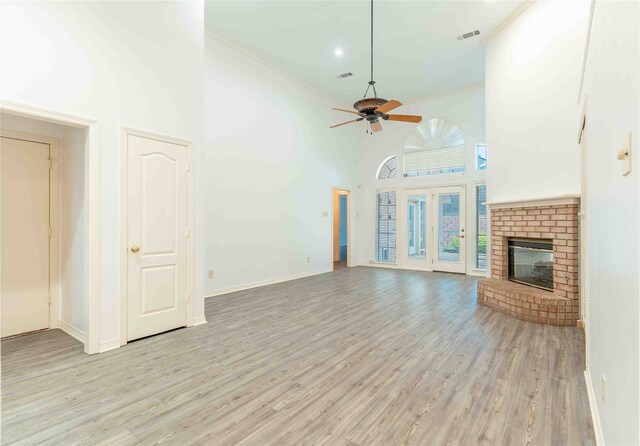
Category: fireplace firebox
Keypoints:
(531, 262)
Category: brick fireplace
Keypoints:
(554, 220)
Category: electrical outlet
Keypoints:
(210, 274)
(308, 259)
(604, 389)
(325, 214)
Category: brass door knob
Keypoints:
(135, 248)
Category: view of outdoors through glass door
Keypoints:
(449, 227)
(417, 227)
(431, 229)
(450, 224)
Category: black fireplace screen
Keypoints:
(531, 262)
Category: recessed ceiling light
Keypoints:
(338, 52)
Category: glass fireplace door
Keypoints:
(531, 262)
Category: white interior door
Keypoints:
(157, 235)
(449, 229)
(25, 236)
(415, 248)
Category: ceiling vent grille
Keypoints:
(469, 34)
(344, 75)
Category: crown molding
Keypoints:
(272, 67)
(507, 21)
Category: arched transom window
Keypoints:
(435, 146)
(388, 168)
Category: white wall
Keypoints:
(271, 161)
(73, 253)
(532, 74)
(465, 109)
(612, 96)
(125, 64)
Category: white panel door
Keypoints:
(157, 236)
(25, 236)
(449, 229)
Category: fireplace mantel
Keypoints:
(552, 200)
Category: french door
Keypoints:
(432, 229)
(415, 251)
(449, 229)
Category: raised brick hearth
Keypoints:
(555, 220)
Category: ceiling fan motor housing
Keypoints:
(368, 106)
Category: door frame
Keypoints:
(349, 212)
(55, 279)
(124, 218)
(92, 206)
(462, 211)
(583, 267)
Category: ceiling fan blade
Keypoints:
(376, 126)
(388, 106)
(347, 111)
(405, 118)
(348, 122)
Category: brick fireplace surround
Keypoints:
(555, 219)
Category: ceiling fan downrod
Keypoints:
(372, 83)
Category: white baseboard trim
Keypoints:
(379, 265)
(199, 321)
(111, 344)
(473, 272)
(594, 408)
(71, 331)
(248, 286)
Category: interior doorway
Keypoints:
(341, 227)
(74, 215)
(44, 227)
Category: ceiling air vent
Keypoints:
(469, 34)
(344, 75)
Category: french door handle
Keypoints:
(135, 248)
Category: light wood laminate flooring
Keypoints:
(359, 356)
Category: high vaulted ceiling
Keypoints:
(416, 54)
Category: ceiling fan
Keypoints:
(375, 108)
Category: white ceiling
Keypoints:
(416, 51)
